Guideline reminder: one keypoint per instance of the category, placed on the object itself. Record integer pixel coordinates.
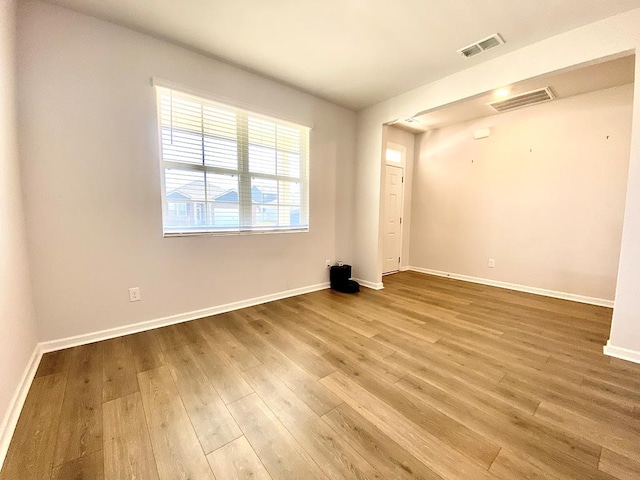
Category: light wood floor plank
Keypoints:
(498, 352)
(127, 446)
(89, 467)
(281, 454)
(288, 314)
(30, 454)
(624, 366)
(561, 453)
(509, 466)
(171, 337)
(616, 393)
(604, 373)
(286, 344)
(346, 316)
(389, 458)
(614, 437)
(234, 351)
(444, 428)
(176, 448)
(572, 397)
(417, 358)
(344, 339)
(382, 369)
(80, 430)
(191, 332)
(211, 420)
(448, 463)
(237, 461)
(119, 370)
(319, 398)
(146, 351)
(619, 466)
(332, 453)
(55, 362)
(226, 379)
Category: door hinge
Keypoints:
(402, 179)
(400, 220)
(398, 259)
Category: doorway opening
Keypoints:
(395, 161)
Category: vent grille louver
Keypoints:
(481, 45)
(489, 43)
(471, 51)
(523, 100)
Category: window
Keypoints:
(228, 170)
(394, 156)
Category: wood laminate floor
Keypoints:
(429, 378)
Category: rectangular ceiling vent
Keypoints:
(481, 46)
(523, 100)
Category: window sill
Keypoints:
(222, 233)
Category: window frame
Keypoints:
(243, 172)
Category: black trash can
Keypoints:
(340, 278)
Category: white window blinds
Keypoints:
(228, 170)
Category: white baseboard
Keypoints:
(520, 288)
(371, 285)
(83, 339)
(622, 353)
(12, 414)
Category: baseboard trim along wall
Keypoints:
(12, 414)
(520, 288)
(83, 339)
(60, 344)
(371, 285)
(621, 353)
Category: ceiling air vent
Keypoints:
(482, 45)
(523, 100)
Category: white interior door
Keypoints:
(391, 243)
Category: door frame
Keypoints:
(402, 165)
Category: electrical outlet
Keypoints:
(491, 263)
(328, 263)
(134, 294)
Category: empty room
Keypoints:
(319, 240)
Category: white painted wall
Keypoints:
(407, 140)
(625, 329)
(611, 36)
(92, 180)
(368, 184)
(544, 195)
(17, 327)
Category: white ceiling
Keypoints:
(352, 52)
(564, 84)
